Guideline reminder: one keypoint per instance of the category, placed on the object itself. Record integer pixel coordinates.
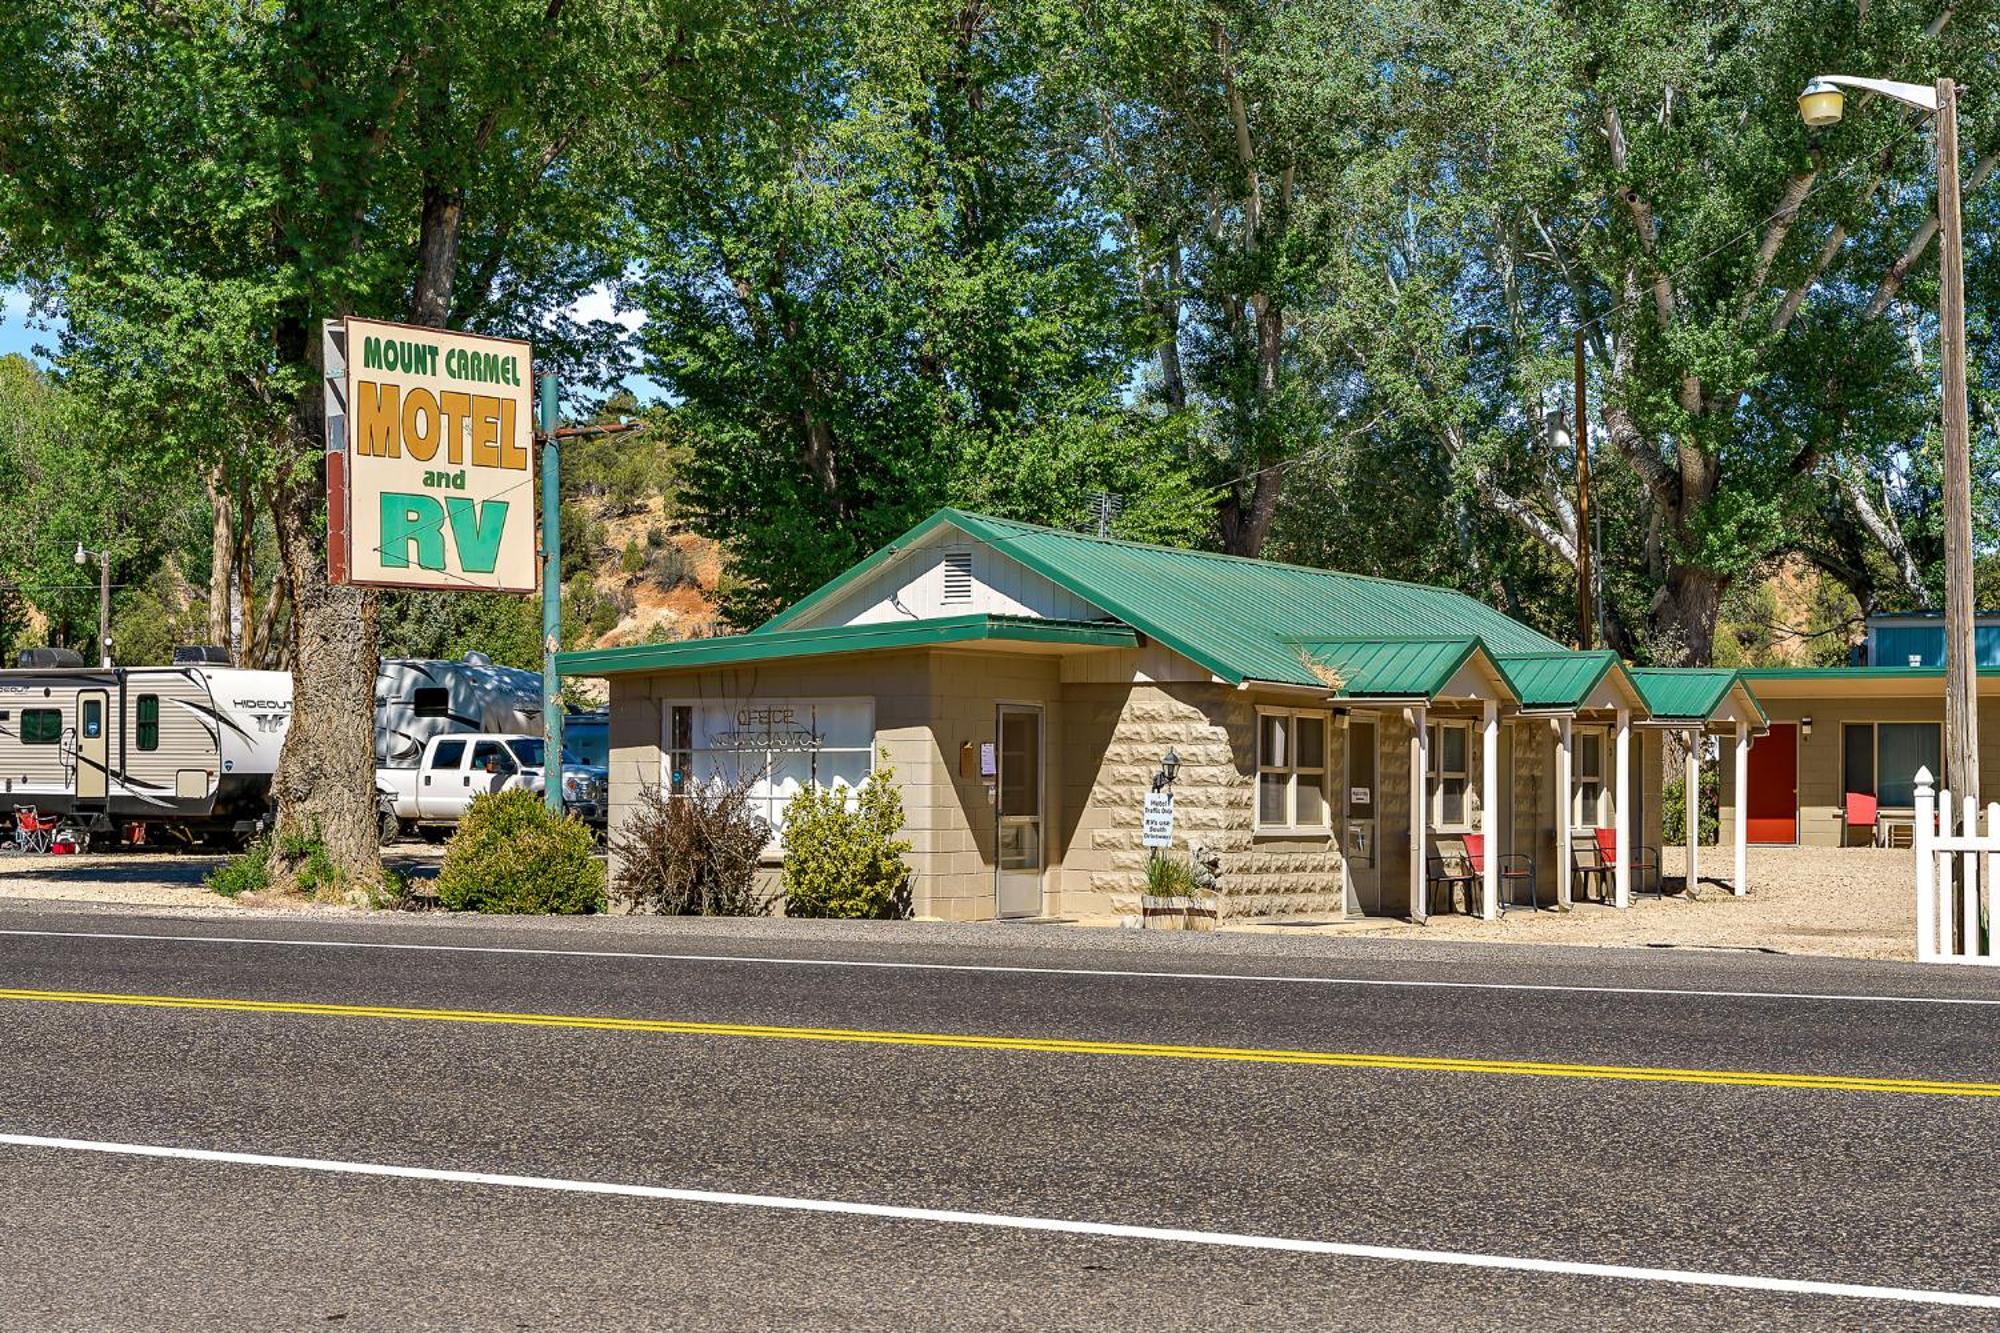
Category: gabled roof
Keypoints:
(1241, 619)
(1396, 668)
(1693, 694)
(1557, 680)
(764, 646)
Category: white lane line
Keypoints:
(1398, 983)
(1013, 1222)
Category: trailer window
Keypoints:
(41, 726)
(431, 701)
(148, 726)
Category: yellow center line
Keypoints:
(1742, 1078)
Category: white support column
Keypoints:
(1927, 940)
(1489, 810)
(1621, 816)
(1420, 809)
(1741, 884)
(1691, 808)
(1565, 795)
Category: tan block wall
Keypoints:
(1213, 729)
(1822, 800)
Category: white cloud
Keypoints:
(599, 303)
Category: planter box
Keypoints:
(1163, 913)
(1203, 911)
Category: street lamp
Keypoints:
(1170, 767)
(1820, 105)
(103, 559)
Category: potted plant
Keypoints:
(1204, 889)
(1169, 883)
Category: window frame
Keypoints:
(704, 765)
(146, 730)
(1604, 813)
(54, 739)
(1293, 771)
(1436, 774)
(1874, 729)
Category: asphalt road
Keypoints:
(1567, 1163)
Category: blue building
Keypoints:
(1916, 639)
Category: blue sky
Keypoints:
(15, 335)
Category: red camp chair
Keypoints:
(1643, 859)
(1864, 811)
(1515, 868)
(34, 831)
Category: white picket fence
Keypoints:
(1952, 868)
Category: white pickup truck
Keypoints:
(434, 796)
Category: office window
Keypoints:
(776, 747)
(41, 726)
(147, 724)
(1883, 758)
(1590, 806)
(1291, 770)
(1450, 751)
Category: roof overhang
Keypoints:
(1429, 671)
(1006, 633)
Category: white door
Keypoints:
(1362, 794)
(1017, 875)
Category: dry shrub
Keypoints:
(693, 855)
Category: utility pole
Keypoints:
(103, 559)
(1961, 690)
(1586, 619)
(545, 416)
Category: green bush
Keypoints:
(1170, 877)
(634, 558)
(511, 854)
(248, 873)
(1673, 811)
(847, 863)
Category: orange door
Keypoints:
(1774, 785)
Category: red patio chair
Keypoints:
(1515, 868)
(1864, 811)
(1644, 859)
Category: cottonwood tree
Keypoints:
(1749, 289)
(249, 170)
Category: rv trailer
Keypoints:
(416, 699)
(189, 749)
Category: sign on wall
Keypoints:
(1158, 826)
(430, 464)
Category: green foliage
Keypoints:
(248, 873)
(634, 558)
(511, 854)
(1169, 877)
(447, 625)
(694, 854)
(303, 853)
(1673, 809)
(842, 862)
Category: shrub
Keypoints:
(693, 855)
(1673, 811)
(248, 873)
(305, 853)
(1170, 877)
(671, 567)
(633, 559)
(847, 863)
(511, 854)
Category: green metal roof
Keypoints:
(1555, 680)
(1690, 693)
(1403, 668)
(764, 645)
(1242, 619)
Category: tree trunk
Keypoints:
(1245, 528)
(222, 552)
(1684, 616)
(325, 784)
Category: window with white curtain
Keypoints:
(1449, 775)
(1291, 770)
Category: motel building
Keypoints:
(1346, 745)
(1838, 765)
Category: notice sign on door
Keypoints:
(1159, 820)
(430, 469)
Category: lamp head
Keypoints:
(1170, 764)
(81, 554)
(1821, 104)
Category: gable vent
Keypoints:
(957, 576)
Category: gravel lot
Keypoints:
(1853, 902)
(1849, 903)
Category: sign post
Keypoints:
(1158, 825)
(552, 720)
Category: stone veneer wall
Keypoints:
(1213, 729)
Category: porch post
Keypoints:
(1691, 808)
(1489, 807)
(1420, 808)
(1621, 817)
(1741, 884)
(1565, 782)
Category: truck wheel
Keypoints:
(388, 826)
